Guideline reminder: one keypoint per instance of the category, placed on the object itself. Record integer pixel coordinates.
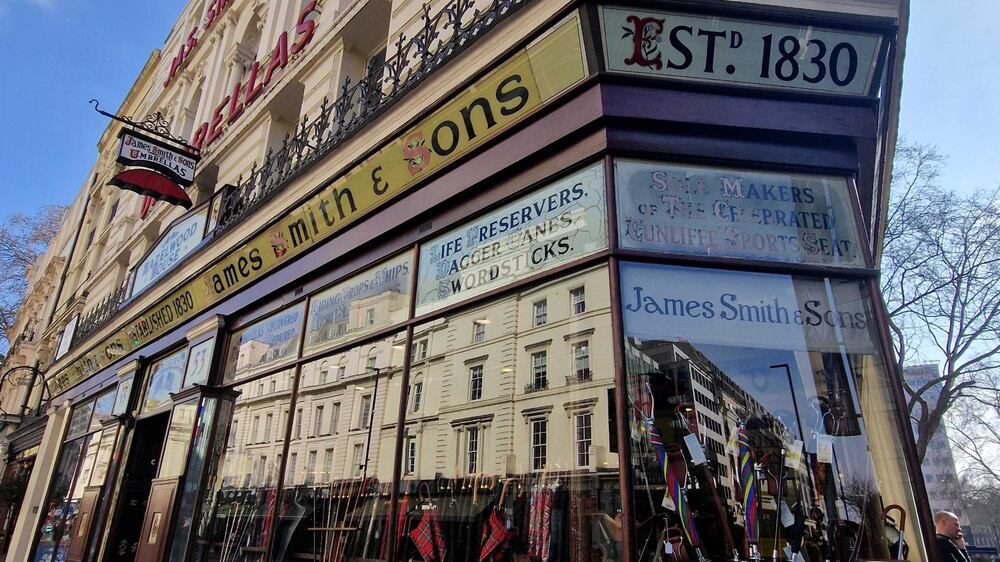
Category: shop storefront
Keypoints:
(600, 310)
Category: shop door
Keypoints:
(78, 544)
(143, 462)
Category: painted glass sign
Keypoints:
(559, 223)
(139, 150)
(740, 52)
(377, 298)
(182, 238)
(751, 310)
(165, 378)
(270, 342)
(199, 363)
(736, 213)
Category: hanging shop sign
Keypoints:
(249, 88)
(739, 309)
(557, 224)
(179, 241)
(734, 213)
(373, 299)
(740, 52)
(505, 96)
(136, 149)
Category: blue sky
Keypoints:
(60, 53)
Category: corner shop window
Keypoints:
(265, 344)
(483, 476)
(746, 393)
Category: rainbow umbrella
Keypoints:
(675, 487)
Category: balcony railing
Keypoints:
(581, 376)
(100, 314)
(442, 37)
(536, 386)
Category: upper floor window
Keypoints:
(476, 382)
(540, 313)
(479, 331)
(578, 301)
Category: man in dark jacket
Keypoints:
(951, 543)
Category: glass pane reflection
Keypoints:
(507, 451)
(745, 417)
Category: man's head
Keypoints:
(946, 523)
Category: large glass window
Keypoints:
(236, 519)
(336, 500)
(491, 468)
(745, 395)
(83, 462)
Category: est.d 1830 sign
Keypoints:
(740, 52)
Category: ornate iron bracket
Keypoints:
(155, 124)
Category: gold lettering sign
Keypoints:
(505, 96)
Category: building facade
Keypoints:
(521, 280)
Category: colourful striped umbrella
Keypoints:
(748, 484)
(675, 486)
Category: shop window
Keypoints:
(83, 461)
(243, 477)
(794, 364)
(476, 382)
(492, 432)
(578, 300)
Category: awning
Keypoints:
(153, 184)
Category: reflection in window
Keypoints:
(745, 416)
(165, 377)
(339, 491)
(240, 491)
(482, 468)
(265, 344)
(540, 314)
(578, 301)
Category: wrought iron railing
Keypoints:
(536, 386)
(100, 314)
(580, 376)
(442, 37)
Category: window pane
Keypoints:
(490, 453)
(797, 218)
(351, 452)
(165, 378)
(241, 492)
(79, 421)
(270, 342)
(762, 377)
(178, 438)
(374, 299)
